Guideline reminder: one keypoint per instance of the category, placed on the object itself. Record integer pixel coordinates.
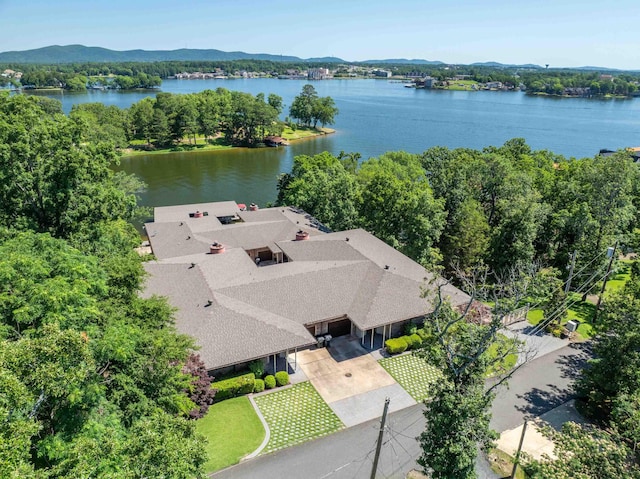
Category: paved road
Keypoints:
(535, 388)
(539, 386)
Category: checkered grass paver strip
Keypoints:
(413, 373)
(295, 415)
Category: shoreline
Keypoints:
(131, 152)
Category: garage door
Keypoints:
(340, 328)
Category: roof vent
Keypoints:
(198, 214)
(253, 207)
(242, 207)
(347, 238)
(302, 235)
(216, 248)
(386, 266)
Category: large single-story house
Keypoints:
(267, 282)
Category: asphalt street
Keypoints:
(535, 388)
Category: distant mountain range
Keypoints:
(403, 61)
(83, 54)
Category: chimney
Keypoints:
(302, 235)
(216, 248)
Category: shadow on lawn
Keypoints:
(584, 311)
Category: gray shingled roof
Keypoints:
(257, 311)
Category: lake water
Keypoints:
(375, 116)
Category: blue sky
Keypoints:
(560, 32)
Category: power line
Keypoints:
(565, 304)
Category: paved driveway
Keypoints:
(351, 381)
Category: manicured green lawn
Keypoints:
(535, 316)
(233, 430)
(583, 311)
(618, 280)
(295, 415)
(217, 144)
(579, 311)
(303, 132)
(412, 372)
(462, 85)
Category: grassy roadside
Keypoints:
(583, 311)
(232, 429)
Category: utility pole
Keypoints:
(604, 283)
(380, 434)
(573, 265)
(517, 459)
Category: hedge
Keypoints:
(422, 334)
(282, 378)
(269, 382)
(396, 345)
(416, 340)
(258, 386)
(234, 387)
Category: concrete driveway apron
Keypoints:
(351, 381)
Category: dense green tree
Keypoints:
(324, 111)
(91, 374)
(275, 102)
(141, 117)
(86, 358)
(50, 179)
(397, 205)
(584, 453)
(323, 187)
(615, 371)
(302, 105)
(458, 411)
(101, 123)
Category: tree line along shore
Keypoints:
(205, 120)
(565, 82)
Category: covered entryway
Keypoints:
(342, 327)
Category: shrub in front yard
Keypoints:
(410, 329)
(395, 345)
(422, 334)
(282, 378)
(555, 329)
(233, 387)
(257, 368)
(200, 392)
(258, 386)
(416, 341)
(411, 343)
(269, 382)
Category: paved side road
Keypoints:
(535, 388)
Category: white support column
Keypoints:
(295, 359)
(275, 363)
(286, 360)
(384, 333)
(373, 332)
(364, 333)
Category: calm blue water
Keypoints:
(375, 116)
